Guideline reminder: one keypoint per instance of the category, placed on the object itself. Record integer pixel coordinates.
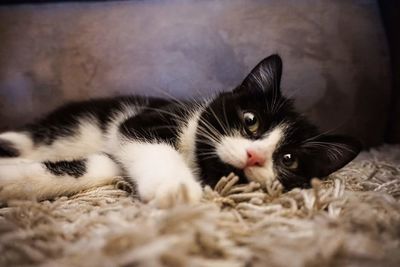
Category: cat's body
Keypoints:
(168, 148)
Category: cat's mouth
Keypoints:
(260, 174)
(257, 170)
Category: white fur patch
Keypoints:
(159, 172)
(100, 166)
(233, 150)
(187, 138)
(21, 141)
(112, 136)
(32, 180)
(88, 140)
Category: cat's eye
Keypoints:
(251, 122)
(290, 161)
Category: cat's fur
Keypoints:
(168, 148)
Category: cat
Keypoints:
(168, 149)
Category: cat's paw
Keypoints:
(13, 183)
(173, 193)
(169, 188)
(161, 175)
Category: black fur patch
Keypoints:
(157, 122)
(64, 121)
(7, 150)
(74, 168)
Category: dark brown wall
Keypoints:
(336, 61)
(391, 17)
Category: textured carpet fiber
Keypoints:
(351, 219)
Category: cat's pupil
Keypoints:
(287, 158)
(251, 123)
(249, 119)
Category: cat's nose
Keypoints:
(254, 158)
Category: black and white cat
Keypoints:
(163, 145)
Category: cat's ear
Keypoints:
(328, 153)
(266, 76)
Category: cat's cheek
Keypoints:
(232, 151)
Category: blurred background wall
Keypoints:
(335, 53)
(390, 10)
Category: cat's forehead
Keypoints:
(277, 109)
(259, 101)
(275, 112)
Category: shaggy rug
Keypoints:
(351, 219)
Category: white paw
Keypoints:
(161, 174)
(16, 181)
(173, 193)
(169, 189)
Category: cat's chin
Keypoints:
(262, 175)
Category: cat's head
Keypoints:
(255, 132)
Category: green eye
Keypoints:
(290, 161)
(250, 122)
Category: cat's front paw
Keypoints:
(168, 189)
(161, 175)
(173, 193)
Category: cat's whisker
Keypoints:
(209, 127)
(171, 97)
(161, 111)
(208, 142)
(224, 112)
(225, 131)
(331, 144)
(324, 133)
(205, 142)
(334, 150)
(210, 157)
(216, 118)
(207, 135)
(164, 127)
(207, 153)
(195, 102)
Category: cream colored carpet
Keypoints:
(352, 219)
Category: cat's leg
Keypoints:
(14, 145)
(43, 180)
(83, 139)
(159, 173)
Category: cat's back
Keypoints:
(79, 128)
(100, 111)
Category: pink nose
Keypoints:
(254, 158)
